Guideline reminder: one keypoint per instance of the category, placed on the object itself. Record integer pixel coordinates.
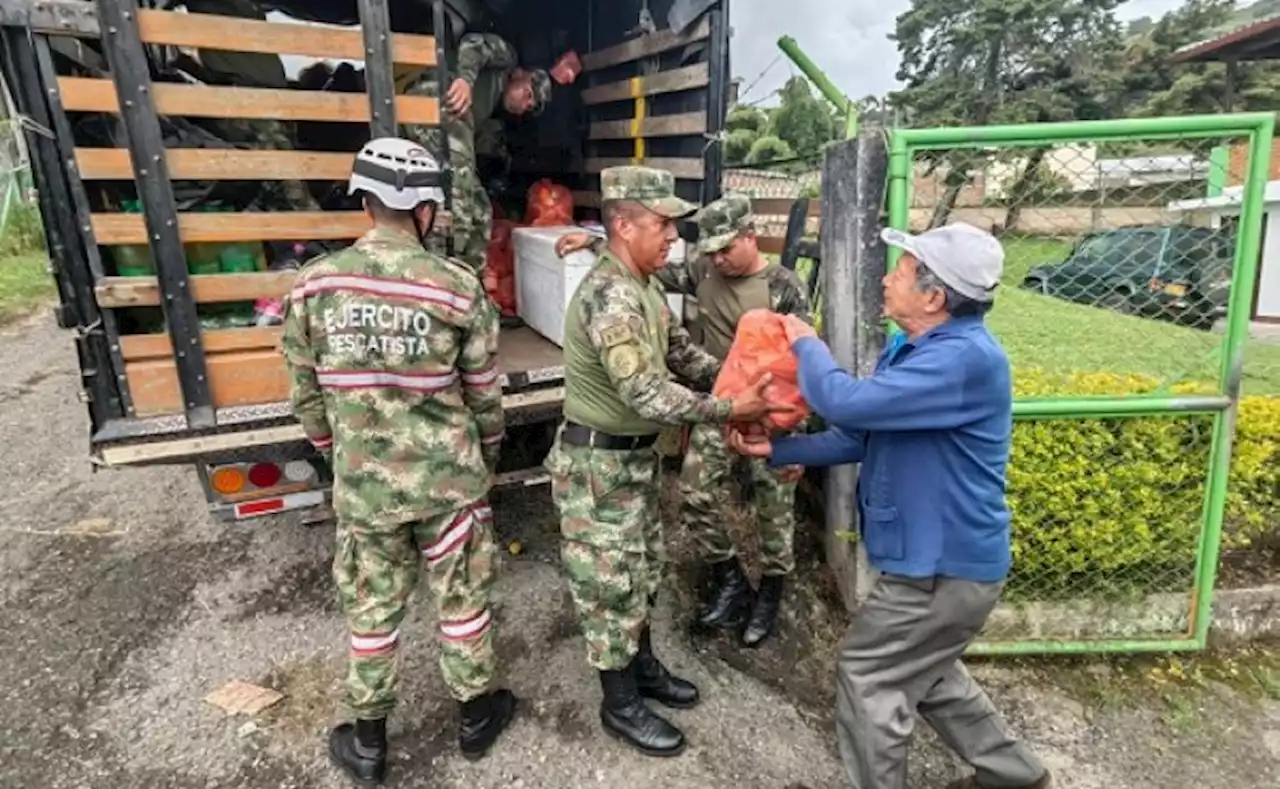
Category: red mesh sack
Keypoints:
(499, 271)
(549, 204)
(760, 346)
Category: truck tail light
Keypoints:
(265, 475)
(227, 480)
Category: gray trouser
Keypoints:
(901, 656)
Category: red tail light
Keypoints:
(265, 475)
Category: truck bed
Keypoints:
(531, 366)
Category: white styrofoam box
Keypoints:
(545, 282)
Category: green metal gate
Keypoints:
(1132, 251)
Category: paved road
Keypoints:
(123, 606)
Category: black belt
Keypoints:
(578, 435)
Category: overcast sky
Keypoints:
(846, 38)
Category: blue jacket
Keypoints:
(931, 428)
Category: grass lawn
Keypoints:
(1060, 337)
(24, 285)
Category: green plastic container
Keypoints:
(204, 258)
(133, 261)
(242, 258)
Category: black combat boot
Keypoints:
(731, 600)
(653, 681)
(360, 749)
(626, 717)
(765, 612)
(483, 719)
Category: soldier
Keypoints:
(730, 277)
(621, 345)
(487, 76)
(392, 351)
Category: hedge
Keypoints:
(1112, 507)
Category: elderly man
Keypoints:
(931, 428)
(621, 345)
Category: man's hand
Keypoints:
(572, 242)
(749, 440)
(790, 474)
(796, 329)
(458, 99)
(755, 403)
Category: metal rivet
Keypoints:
(168, 223)
(182, 354)
(194, 340)
(115, 349)
(112, 30)
(143, 171)
(199, 377)
(128, 102)
(155, 158)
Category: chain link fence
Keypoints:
(1121, 255)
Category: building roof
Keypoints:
(1258, 39)
(1228, 203)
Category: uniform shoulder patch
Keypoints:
(624, 360)
(617, 334)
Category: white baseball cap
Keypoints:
(967, 259)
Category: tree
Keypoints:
(802, 120)
(978, 62)
(737, 145)
(769, 149)
(1151, 85)
(743, 118)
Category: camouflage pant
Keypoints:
(612, 544)
(471, 215)
(376, 570)
(705, 483)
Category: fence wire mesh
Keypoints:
(1119, 257)
(1107, 518)
(1119, 264)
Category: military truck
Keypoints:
(160, 256)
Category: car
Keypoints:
(1180, 273)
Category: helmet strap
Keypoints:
(423, 232)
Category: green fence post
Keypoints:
(824, 85)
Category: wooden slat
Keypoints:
(653, 126)
(645, 46)
(235, 379)
(781, 206)
(206, 288)
(672, 81)
(770, 245)
(138, 347)
(120, 229)
(212, 31)
(691, 169)
(80, 94)
(209, 164)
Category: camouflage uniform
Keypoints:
(392, 353)
(254, 70)
(707, 477)
(622, 345)
(485, 61)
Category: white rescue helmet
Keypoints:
(399, 172)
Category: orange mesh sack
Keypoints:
(549, 204)
(760, 346)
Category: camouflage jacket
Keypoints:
(392, 352)
(618, 364)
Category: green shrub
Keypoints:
(1113, 507)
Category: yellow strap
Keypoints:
(637, 126)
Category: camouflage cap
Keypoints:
(720, 222)
(650, 187)
(540, 81)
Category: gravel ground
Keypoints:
(124, 605)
